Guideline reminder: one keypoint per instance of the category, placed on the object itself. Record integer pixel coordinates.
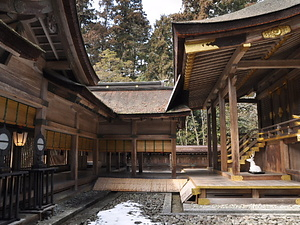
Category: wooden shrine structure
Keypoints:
(143, 125)
(254, 51)
(49, 99)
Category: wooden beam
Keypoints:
(223, 133)
(229, 69)
(58, 65)
(234, 127)
(17, 45)
(268, 64)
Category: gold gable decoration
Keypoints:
(276, 32)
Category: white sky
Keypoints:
(155, 8)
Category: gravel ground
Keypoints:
(152, 204)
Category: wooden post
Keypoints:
(108, 162)
(284, 151)
(173, 144)
(96, 157)
(140, 159)
(119, 160)
(74, 153)
(74, 160)
(134, 148)
(234, 126)
(223, 134)
(209, 149)
(214, 138)
(41, 116)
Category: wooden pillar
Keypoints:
(173, 144)
(74, 153)
(74, 160)
(134, 148)
(223, 134)
(234, 126)
(108, 162)
(214, 138)
(118, 160)
(284, 155)
(140, 159)
(96, 157)
(41, 116)
(209, 149)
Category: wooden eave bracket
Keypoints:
(17, 45)
(229, 69)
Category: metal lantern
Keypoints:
(20, 138)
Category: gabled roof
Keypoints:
(137, 98)
(244, 44)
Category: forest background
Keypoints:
(123, 47)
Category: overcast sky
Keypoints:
(155, 8)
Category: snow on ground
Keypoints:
(125, 213)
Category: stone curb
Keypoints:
(67, 214)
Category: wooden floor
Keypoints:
(209, 186)
(139, 184)
(211, 180)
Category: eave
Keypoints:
(207, 52)
(76, 53)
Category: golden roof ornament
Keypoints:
(276, 32)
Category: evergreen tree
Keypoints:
(110, 68)
(201, 9)
(130, 33)
(87, 17)
(160, 58)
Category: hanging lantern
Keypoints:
(20, 138)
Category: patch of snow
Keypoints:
(125, 213)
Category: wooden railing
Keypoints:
(246, 142)
(38, 189)
(287, 129)
(10, 184)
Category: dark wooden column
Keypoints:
(173, 144)
(234, 131)
(74, 160)
(140, 159)
(134, 148)
(209, 149)
(214, 138)
(96, 157)
(108, 162)
(223, 133)
(74, 154)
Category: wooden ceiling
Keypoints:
(56, 32)
(252, 50)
